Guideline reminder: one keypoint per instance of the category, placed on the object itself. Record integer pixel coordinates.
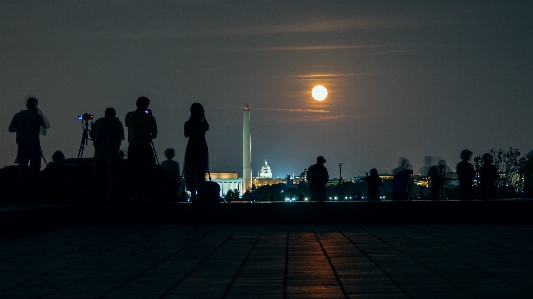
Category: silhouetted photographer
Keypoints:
(107, 134)
(142, 128)
(27, 125)
(317, 175)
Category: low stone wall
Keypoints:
(30, 220)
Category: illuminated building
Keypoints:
(265, 172)
(227, 181)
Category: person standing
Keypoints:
(402, 184)
(142, 128)
(107, 134)
(488, 174)
(196, 153)
(465, 174)
(317, 175)
(27, 125)
(173, 168)
(437, 174)
(526, 168)
(374, 182)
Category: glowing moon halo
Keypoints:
(319, 93)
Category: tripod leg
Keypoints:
(346, 189)
(153, 151)
(80, 151)
(44, 159)
(84, 139)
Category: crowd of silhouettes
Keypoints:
(107, 134)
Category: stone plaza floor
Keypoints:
(270, 261)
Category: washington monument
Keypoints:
(246, 152)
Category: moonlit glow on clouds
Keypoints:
(406, 79)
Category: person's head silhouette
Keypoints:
(58, 156)
(143, 103)
(197, 111)
(373, 171)
(110, 112)
(169, 153)
(466, 155)
(487, 158)
(320, 160)
(403, 161)
(32, 103)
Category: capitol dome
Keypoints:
(265, 171)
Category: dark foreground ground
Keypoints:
(128, 252)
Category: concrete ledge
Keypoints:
(412, 212)
(19, 221)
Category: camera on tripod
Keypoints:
(85, 117)
(85, 136)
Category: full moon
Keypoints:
(319, 93)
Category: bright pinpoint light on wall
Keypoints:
(319, 93)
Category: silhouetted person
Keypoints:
(488, 174)
(142, 128)
(173, 168)
(197, 153)
(56, 164)
(402, 163)
(401, 184)
(107, 134)
(56, 177)
(27, 124)
(465, 174)
(428, 160)
(374, 182)
(436, 174)
(317, 175)
(526, 168)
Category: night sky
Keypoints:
(405, 78)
